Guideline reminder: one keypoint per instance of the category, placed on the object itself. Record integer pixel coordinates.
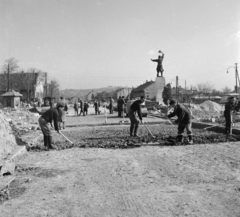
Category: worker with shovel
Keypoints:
(135, 108)
(51, 115)
(230, 107)
(184, 120)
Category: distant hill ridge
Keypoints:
(84, 92)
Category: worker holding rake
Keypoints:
(184, 120)
(135, 108)
(51, 115)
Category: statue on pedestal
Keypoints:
(159, 66)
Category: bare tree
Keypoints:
(226, 89)
(205, 87)
(10, 66)
(54, 88)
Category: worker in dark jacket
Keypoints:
(230, 107)
(86, 106)
(184, 120)
(51, 115)
(96, 106)
(111, 101)
(120, 104)
(135, 108)
(81, 108)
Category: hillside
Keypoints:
(83, 92)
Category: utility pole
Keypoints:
(236, 70)
(236, 76)
(177, 87)
(8, 71)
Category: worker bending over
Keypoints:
(184, 120)
(135, 108)
(51, 115)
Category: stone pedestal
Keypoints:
(160, 84)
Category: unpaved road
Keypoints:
(197, 180)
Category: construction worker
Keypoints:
(184, 120)
(81, 107)
(135, 108)
(159, 65)
(230, 107)
(51, 115)
(62, 114)
(86, 105)
(120, 104)
(111, 101)
(96, 107)
(76, 107)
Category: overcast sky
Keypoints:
(99, 43)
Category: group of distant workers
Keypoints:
(81, 107)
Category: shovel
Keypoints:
(66, 137)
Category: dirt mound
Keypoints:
(211, 106)
(7, 139)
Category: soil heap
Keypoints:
(7, 139)
(211, 106)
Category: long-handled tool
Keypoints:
(66, 137)
(163, 116)
(149, 131)
(209, 127)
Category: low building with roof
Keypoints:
(30, 85)
(11, 99)
(148, 90)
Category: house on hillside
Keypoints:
(90, 96)
(126, 91)
(30, 85)
(147, 89)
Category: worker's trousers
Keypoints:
(134, 122)
(182, 127)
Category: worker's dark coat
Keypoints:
(183, 113)
(229, 108)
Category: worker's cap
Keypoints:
(172, 102)
(60, 104)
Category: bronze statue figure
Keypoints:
(159, 61)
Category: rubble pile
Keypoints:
(21, 120)
(207, 110)
(211, 106)
(7, 139)
(14, 123)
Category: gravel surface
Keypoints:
(169, 181)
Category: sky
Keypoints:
(87, 44)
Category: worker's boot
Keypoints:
(45, 139)
(190, 139)
(131, 130)
(50, 141)
(136, 132)
(179, 139)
